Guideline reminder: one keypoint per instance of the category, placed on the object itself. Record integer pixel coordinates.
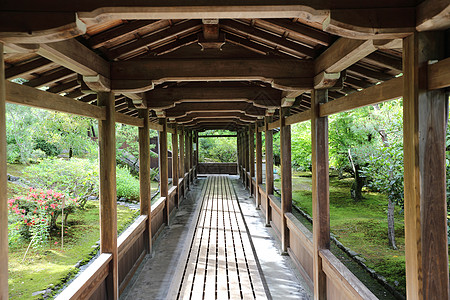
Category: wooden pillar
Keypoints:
(144, 177)
(182, 160)
(175, 163)
(320, 190)
(238, 151)
(251, 149)
(286, 178)
(163, 165)
(196, 153)
(108, 195)
(269, 167)
(190, 156)
(246, 157)
(241, 158)
(424, 130)
(186, 158)
(258, 165)
(3, 185)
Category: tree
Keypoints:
(385, 166)
(351, 140)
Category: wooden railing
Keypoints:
(341, 282)
(93, 282)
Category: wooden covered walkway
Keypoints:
(221, 262)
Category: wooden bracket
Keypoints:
(325, 80)
(98, 83)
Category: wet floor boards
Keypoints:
(221, 263)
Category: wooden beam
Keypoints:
(342, 54)
(298, 117)
(3, 185)
(183, 109)
(286, 45)
(60, 74)
(133, 121)
(439, 74)
(213, 115)
(24, 95)
(178, 29)
(140, 74)
(169, 97)
(145, 195)
(299, 30)
(175, 175)
(433, 15)
(108, 196)
(64, 87)
(26, 68)
(74, 56)
(163, 168)
(127, 29)
(254, 46)
(385, 91)
(286, 178)
(268, 135)
(425, 123)
(274, 124)
(320, 190)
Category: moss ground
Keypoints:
(361, 226)
(52, 265)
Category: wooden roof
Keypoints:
(209, 72)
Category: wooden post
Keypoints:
(3, 185)
(269, 167)
(424, 131)
(241, 157)
(320, 190)
(258, 165)
(175, 166)
(251, 149)
(238, 151)
(190, 157)
(246, 157)
(163, 165)
(175, 163)
(182, 160)
(286, 178)
(186, 159)
(108, 195)
(197, 146)
(144, 177)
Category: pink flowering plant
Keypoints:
(37, 212)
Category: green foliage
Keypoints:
(77, 178)
(49, 148)
(221, 149)
(301, 146)
(29, 129)
(385, 162)
(127, 184)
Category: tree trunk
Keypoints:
(391, 229)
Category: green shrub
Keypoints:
(76, 178)
(127, 184)
(37, 213)
(48, 148)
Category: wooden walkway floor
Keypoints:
(221, 263)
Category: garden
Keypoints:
(53, 187)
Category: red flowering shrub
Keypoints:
(38, 211)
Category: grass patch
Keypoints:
(51, 266)
(361, 226)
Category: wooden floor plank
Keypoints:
(221, 263)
